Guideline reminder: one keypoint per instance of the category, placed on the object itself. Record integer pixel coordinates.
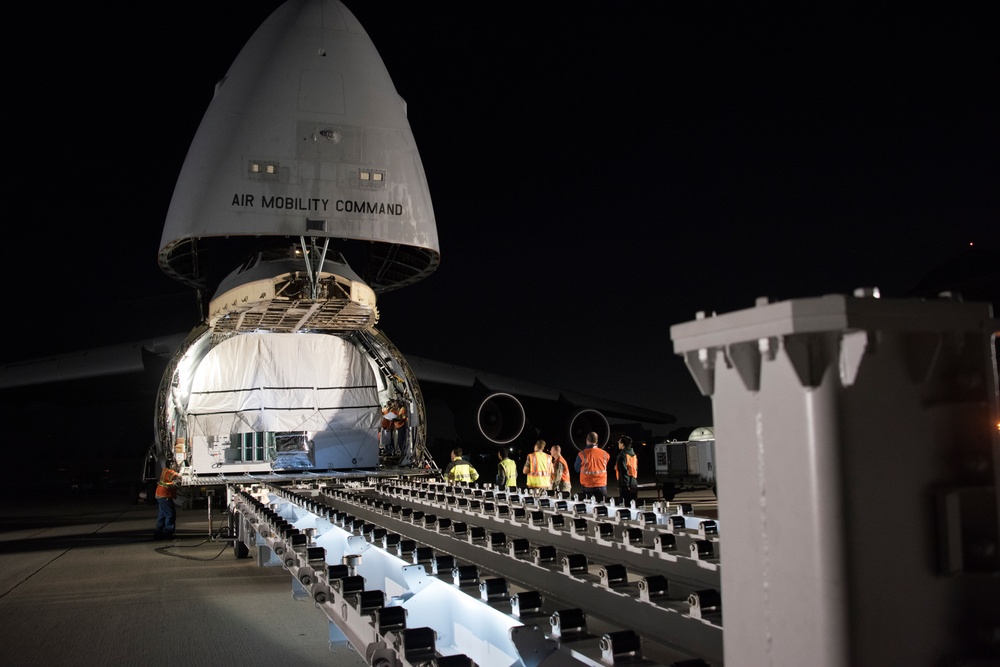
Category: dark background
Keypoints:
(599, 171)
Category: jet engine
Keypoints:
(503, 419)
(490, 411)
(500, 418)
(584, 421)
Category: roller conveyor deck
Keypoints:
(593, 588)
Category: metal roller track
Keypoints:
(683, 547)
(373, 599)
(325, 477)
(680, 623)
(658, 621)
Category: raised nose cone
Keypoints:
(305, 137)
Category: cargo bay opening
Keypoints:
(260, 403)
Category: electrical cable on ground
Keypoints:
(223, 532)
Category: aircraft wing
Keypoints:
(429, 371)
(121, 359)
(486, 409)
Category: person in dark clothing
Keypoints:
(627, 471)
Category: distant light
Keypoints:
(271, 168)
(365, 176)
(255, 168)
(868, 293)
(377, 176)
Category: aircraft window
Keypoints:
(372, 178)
(263, 170)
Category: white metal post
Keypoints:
(855, 442)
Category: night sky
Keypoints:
(598, 175)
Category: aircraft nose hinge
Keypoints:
(314, 259)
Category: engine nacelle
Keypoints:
(500, 418)
(584, 421)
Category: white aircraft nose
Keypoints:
(306, 136)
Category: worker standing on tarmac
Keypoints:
(506, 471)
(538, 468)
(459, 470)
(627, 471)
(560, 474)
(166, 491)
(592, 464)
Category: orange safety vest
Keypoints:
(594, 467)
(164, 487)
(398, 422)
(631, 466)
(539, 470)
(565, 468)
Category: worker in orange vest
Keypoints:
(592, 464)
(392, 432)
(560, 474)
(166, 491)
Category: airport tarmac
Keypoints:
(83, 583)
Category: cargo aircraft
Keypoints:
(302, 199)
